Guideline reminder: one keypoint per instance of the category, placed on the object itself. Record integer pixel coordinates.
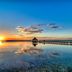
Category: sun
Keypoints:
(2, 38)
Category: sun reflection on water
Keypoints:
(1, 43)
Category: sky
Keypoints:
(21, 13)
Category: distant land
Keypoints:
(39, 39)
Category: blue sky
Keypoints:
(13, 14)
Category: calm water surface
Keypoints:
(24, 54)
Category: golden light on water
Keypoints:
(1, 43)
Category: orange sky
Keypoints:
(8, 36)
(17, 37)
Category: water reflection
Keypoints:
(31, 56)
(54, 54)
(35, 43)
(31, 50)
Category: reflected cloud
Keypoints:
(54, 54)
(29, 50)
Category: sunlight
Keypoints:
(1, 43)
(2, 38)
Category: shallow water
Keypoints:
(25, 55)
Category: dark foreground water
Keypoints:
(24, 57)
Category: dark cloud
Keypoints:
(53, 26)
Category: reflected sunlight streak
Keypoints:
(1, 43)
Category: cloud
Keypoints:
(37, 28)
(53, 26)
(38, 25)
(29, 30)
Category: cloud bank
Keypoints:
(37, 28)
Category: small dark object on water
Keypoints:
(34, 41)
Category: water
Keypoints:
(24, 56)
